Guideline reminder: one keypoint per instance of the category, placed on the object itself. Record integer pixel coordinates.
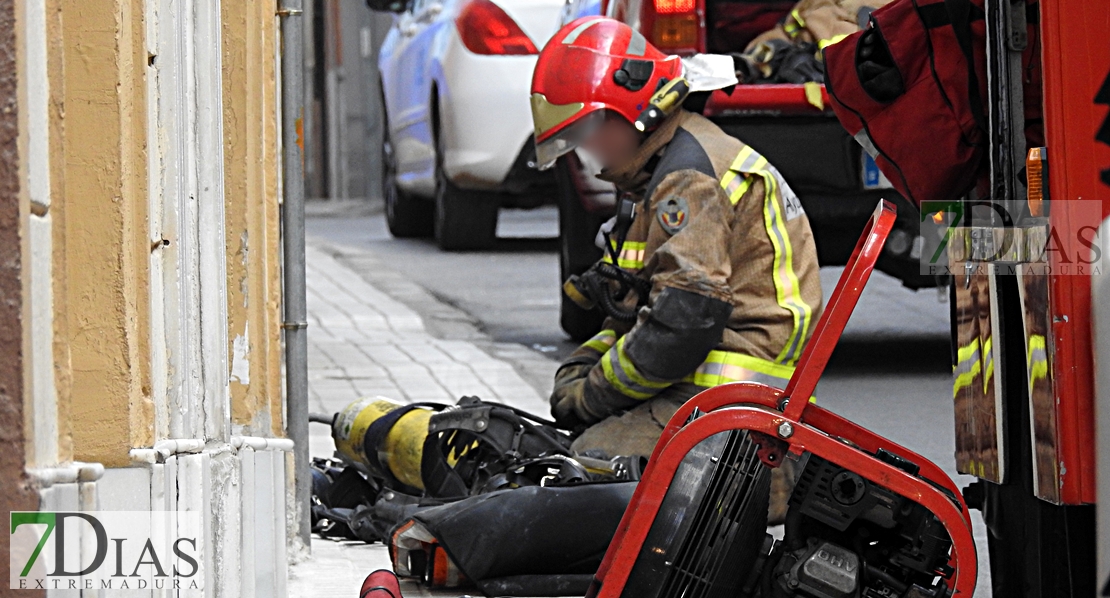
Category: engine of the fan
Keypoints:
(846, 537)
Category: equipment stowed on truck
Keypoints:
(992, 115)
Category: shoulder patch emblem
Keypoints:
(673, 214)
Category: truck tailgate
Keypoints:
(778, 100)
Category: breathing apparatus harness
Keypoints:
(606, 285)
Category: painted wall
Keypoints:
(251, 217)
(104, 245)
(343, 126)
(14, 213)
(140, 279)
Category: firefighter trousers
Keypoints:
(636, 431)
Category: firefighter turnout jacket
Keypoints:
(728, 250)
(822, 22)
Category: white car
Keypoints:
(458, 145)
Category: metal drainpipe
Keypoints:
(292, 224)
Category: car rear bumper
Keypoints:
(486, 115)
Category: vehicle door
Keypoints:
(411, 117)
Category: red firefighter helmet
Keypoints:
(591, 65)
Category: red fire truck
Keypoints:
(1026, 416)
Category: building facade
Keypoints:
(140, 281)
(343, 112)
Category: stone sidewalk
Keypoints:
(363, 341)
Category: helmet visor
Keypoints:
(565, 140)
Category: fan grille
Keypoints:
(703, 543)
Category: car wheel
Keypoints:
(464, 220)
(406, 216)
(577, 252)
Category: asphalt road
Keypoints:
(891, 371)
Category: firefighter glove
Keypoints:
(570, 405)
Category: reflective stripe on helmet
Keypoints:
(573, 35)
(637, 44)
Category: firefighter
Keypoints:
(821, 22)
(718, 258)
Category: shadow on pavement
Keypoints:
(525, 245)
(892, 355)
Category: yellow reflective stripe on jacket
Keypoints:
(602, 341)
(968, 351)
(722, 367)
(971, 362)
(787, 286)
(793, 24)
(747, 161)
(631, 257)
(623, 376)
(1037, 359)
(788, 289)
(735, 185)
(822, 44)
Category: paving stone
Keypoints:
(362, 342)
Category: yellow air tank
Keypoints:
(403, 447)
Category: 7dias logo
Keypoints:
(106, 550)
(1067, 245)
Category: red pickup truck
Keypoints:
(836, 182)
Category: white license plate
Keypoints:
(873, 178)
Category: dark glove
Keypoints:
(567, 403)
(569, 389)
(570, 372)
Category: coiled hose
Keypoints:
(597, 280)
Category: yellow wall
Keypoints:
(251, 219)
(105, 297)
(101, 240)
(63, 379)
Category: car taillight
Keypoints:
(670, 7)
(675, 25)
(485, 29)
